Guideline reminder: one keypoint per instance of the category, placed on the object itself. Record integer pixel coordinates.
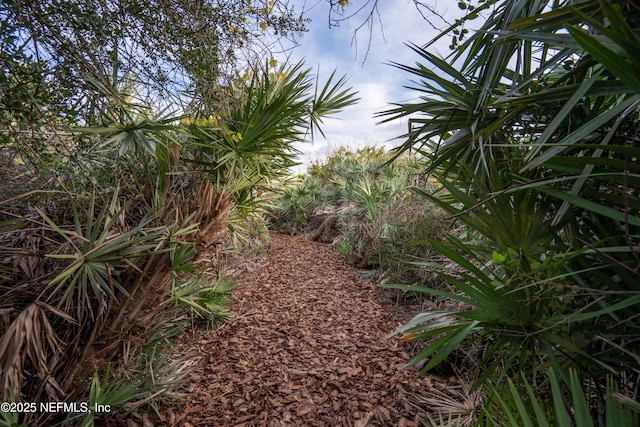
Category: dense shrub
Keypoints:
(368, 208)
(119, 250)
(539, 162)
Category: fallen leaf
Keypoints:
(354, 372)
(330, 363)
(304, 409)
(362, 422)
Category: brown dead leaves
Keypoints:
(307, 347)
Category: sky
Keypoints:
(378, 83)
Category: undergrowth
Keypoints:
(369, 207)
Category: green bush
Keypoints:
(539, 162)
(110, 273)
(368, 207)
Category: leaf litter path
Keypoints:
(307, 347)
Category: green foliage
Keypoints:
(254, 140)
(517, 318)
(539, 164)
(510, 406)
(299, 198)
(100, 253)
(58, 47)
(377, 221)
(10, 419)
(181, 256)
(107, 393)
(63, 64)
(196, 293)
(205, 300)
(113, 394)
(116, 271)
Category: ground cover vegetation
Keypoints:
(125, 177)
(531, 126)
(366, 206)
(131, 161)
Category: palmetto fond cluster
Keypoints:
(116, 273)
(532, 128)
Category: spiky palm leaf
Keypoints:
(532, 127)
(254, 140)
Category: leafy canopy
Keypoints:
(56, 53)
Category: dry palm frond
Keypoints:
(201, 202)
(214, 208)
(30, 338)
(456, 403)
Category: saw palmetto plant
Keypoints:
(532, 127)
(361, 202)
(113, 275)
(253, 141)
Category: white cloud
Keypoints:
(378, 83)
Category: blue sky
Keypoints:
(378, 84)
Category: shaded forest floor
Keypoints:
(307, 346)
